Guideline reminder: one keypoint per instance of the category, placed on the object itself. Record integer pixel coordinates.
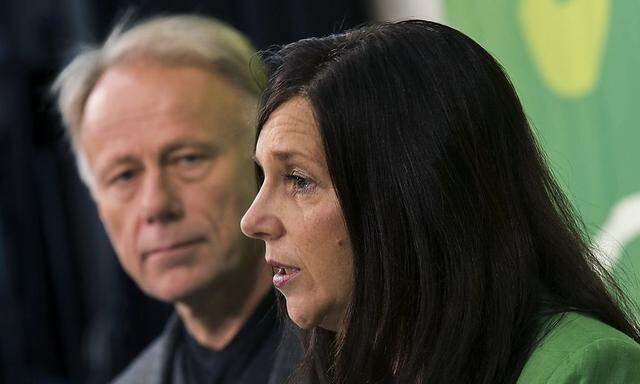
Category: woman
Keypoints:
(413, 227)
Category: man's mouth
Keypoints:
(175, 247)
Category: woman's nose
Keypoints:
(262, 221)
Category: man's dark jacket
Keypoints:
(154, 365)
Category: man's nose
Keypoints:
(160, 201)
(261, 221)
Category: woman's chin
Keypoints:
(301, 320)
(302, 316)
(307, 319)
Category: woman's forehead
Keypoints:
(290, 128)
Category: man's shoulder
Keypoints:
(145, 367)
(151, 365)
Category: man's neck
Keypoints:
(216, 315)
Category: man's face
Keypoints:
(169, 177)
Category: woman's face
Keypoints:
(297, 214)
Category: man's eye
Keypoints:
(123, 177)
(191, 166)
(191, 159)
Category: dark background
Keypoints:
(68, 313)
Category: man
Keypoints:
(160, 118)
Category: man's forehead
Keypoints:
(139, 94)
(154, 88)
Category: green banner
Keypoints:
(576, 67)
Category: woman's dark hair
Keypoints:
(463, 243)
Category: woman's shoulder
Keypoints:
(578, 348)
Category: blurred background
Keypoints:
(68, 313)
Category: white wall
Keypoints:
(394, 10)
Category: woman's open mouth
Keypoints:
(283, 274)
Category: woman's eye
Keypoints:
(300, 184)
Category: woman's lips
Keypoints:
(283, 274)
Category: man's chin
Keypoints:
(172, 296)
(174, 290)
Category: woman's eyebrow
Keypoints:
(286, 155)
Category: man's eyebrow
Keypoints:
(121, 159)
(209, 147)
(118, 159)
(106, 166)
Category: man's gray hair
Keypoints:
(174, 40)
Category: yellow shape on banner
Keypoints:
(566, 39)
